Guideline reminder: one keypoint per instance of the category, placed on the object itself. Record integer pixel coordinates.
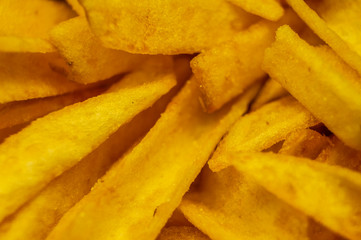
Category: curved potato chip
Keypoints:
(77, 7)
(268, 9)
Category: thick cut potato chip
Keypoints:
(182, 233)
(164, 26)
(339, 26)
(270, 91)
(88, 61)
(268, 9)
(18, 112)
(262, 128)
(76, 7)
(25, 24)
(140, 192)
(331, 195)
(70, 134)
(228, 205)
(320, 80)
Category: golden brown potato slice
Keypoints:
(320, 80)
(270, 91)
(228, 205)
(305, 143)
(337, 23)
(164, 26)
(75, 5)
(25, 24)
(331, 195)
(18, 112)
(268, 9)
(181, 233)
(6, 132)
(140, 192)
(262, 128)
(70, 134)
(88, 61)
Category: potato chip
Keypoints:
(270, 91)
(70, 134)
(76, 7)
(88, 61)
(337, 23)
(164, 27)
(262, 128)
(182, 233)
(140, 192)
(331, 195)
(268, 9)
(24, 25)
(320, 80)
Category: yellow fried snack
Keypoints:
(25, 24)
(229, 205)
(337, 23)
(70, 134)
(88, 61)
(140, 192)
(6, 132)
(181, 233)
(270, 91)
(268, 9)
(262, 128)
(32, 75)
(329, 194)
(164, 26)
(36, 219)
(320, 80)
(305, 143)
(18, 112)
(76, 7)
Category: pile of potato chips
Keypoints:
(180, 119)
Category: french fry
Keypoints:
(70, 134)
(6, 132)
(164, 27)
(331, 195)
(181, 233)
(337, 23)
(262, 128)
(320, 80)
(25, 24)
(268, 9)
(141, 191)
(270, 91)
(88, 61)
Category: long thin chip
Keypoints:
(70, 134)
(88, 61)
(140, 192)
(338, 24)
(164, 26)
(262, 128)
(270, 91)
(320, 80)
(268, 9)
(25, 24)
(182, 233)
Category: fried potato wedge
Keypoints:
(75, 5)
(19, 112)
(24, 25)
(141, 191)
(331, 195)
(229, 205)
(36, 219)
(33, 75)
(305, 143)
(70, 134)
(268, 9)
(88, 61)
(262, 128)
(337, 23)
(270, 91)
(164, 26)
(320, 80)
(182, 233)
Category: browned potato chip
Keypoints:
(269, 9)
(25, 24)
(164, 26)
(320, 80)
(182, 233)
